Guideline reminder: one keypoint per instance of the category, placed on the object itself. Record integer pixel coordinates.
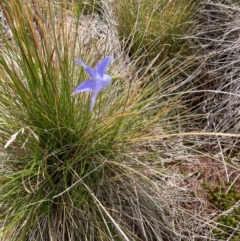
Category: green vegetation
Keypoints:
(156, 29)
(225, 199)
(131, 169)
(86, 7)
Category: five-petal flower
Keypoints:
(98, 79)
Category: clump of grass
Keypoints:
(219, 39)
(69, 174)
(153, 27)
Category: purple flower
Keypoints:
(98, 79)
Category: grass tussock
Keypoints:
(218, 94)
(69, 174)
(219, 39)
(155, 28)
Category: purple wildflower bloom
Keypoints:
(98, 79)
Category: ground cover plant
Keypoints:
(98, 139)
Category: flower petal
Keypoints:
(106, 80)
(93, 100)
(88, 69)
(102, 66)
(89, 85)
